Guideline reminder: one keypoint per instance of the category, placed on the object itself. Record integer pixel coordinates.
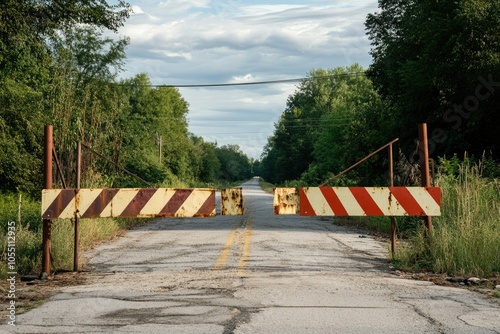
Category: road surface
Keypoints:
(257, 273)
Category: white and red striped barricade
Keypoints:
(130, 203)
(364, 201)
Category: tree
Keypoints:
(438, 62)
(156, 112)
(208, 164)
(314, 136)
(85, 103)
(235, 165)
(349, 130)
(26, 72)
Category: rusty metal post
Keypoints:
(77, 219)
(424, 168)
(391, 183)
(58, 165)
(47, 223)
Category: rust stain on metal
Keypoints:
(77, 203)
(390, 201)
(286, 201)
(232, 202)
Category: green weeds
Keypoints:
(466, 238)
(29, 235)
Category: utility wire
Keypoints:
(267, 82)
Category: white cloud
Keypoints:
(180, 6)
(243, 78)
(136, 10)
(229, 41)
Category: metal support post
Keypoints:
(77, 219)
(424, 167)
(47, 223)
(391, 183)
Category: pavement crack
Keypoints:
(240, 316)
(439, 327)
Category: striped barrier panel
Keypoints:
(127, 202)
(368, 201)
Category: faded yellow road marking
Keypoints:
(242, 264)
(245, 237)
(222, 259)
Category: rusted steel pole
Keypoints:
(59, 169)
(47, 223)
(77, 219)
(358, 163)
(391, 183)
(424, 167)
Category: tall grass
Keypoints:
(466, 238)
(29, 235)
(28, 232)
(92, 231)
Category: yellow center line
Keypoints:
(222, 259)
(242, 264)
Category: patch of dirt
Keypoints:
(34, 292)
(485, 286)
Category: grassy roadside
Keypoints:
(266, 186)
(466, 239)
(28, 235)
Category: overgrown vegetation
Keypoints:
(59, 65)
(466, 238)
(266, 186)
(29, 235)
(434, 62)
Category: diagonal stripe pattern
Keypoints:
(128, 203)
(370, 201)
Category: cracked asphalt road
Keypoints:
(258, 273)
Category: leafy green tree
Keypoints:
(208, 162)
(256, 167)
(154, 113)
(85, 102)
(438, 62)
(289, 151)
(356, 125)
(323, 128)
(235, 165)
(27, 28)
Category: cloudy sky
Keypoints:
(179, 42)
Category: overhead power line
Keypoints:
(267, 82)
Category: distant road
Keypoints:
(258, 273)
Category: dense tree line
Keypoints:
(58, 67)
(433, 61)
(439, 62)
(329, 124)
